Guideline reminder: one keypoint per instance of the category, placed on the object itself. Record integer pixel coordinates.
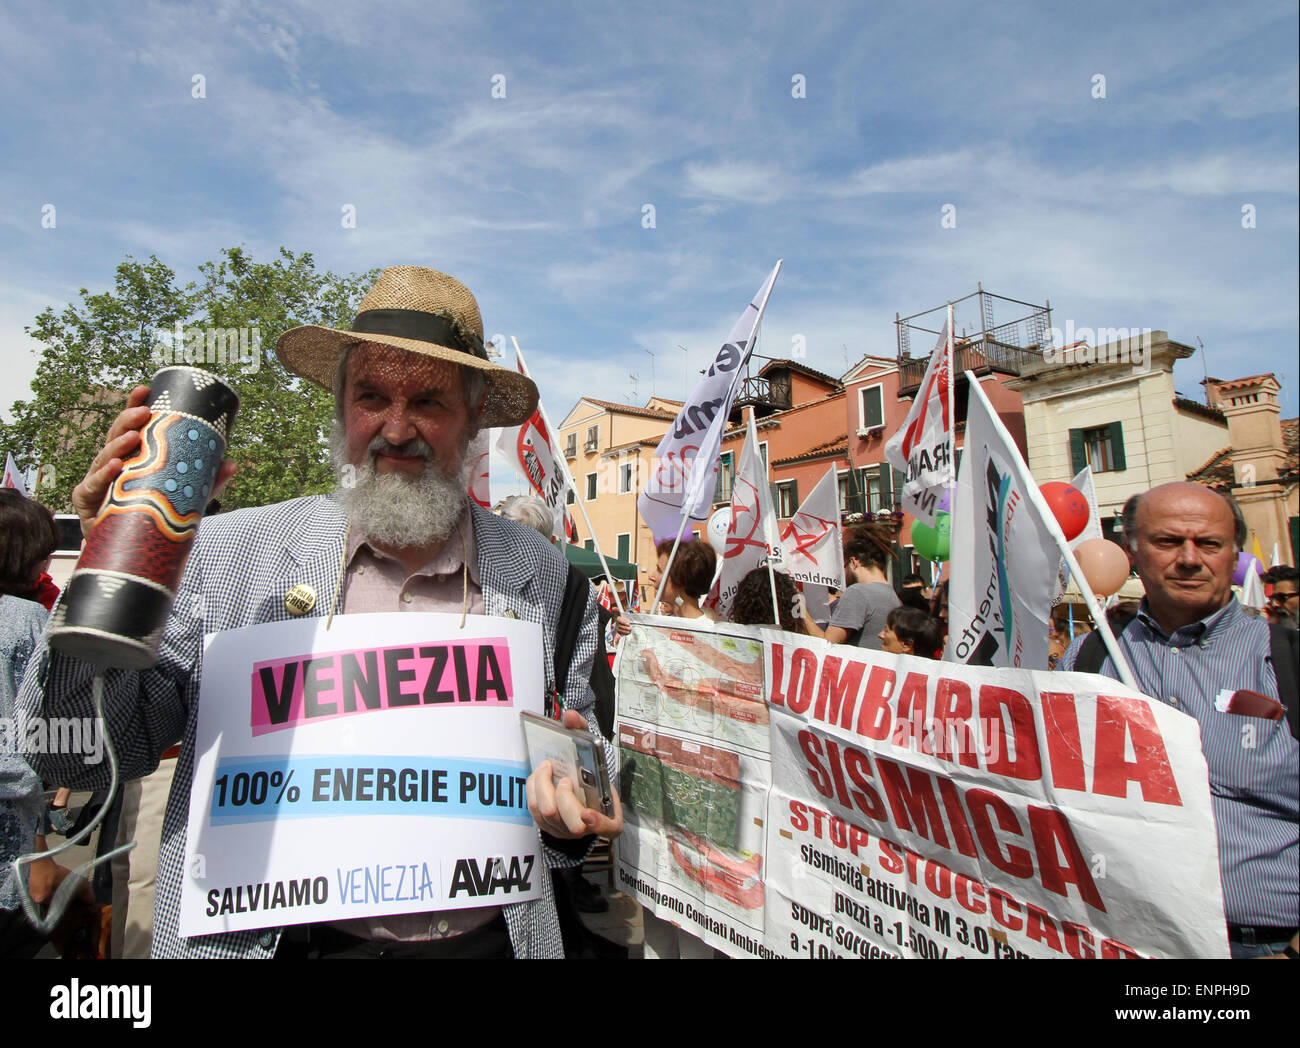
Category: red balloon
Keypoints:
(1104, 564)
(1068, 506)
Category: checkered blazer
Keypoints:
(242, 565)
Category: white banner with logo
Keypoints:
(686, 462)
(812, 546)
(922, 449)
(376, 767)
(1003, 564)
(529, 449)
(751, 535)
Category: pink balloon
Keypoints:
(1105, 565)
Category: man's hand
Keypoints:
(123, 438)
(556, 808)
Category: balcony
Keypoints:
(1006, 348)
(765, 395)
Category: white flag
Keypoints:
(1003, 552)
(922, 448)
(13, 477)
(812, 548)
(480, 462)
(685, 466)
(1092, 530)
(751, 536)
(528, 448)
(1252, 593)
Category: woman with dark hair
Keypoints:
(752, 605)
(909, 631)
(690, 579)
(28, 536)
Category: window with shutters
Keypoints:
(787, 498)
(843, 480)
(726, 474)
(873, 407)
(625, 546)
(1101, 448)
(871, 487)
(571, 497)
(627, 477)
(591, 487)
(593, 438)
(589, 545)
(571, 446)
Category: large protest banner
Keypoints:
(343, 775)
(831, 801)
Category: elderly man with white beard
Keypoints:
(412, 385)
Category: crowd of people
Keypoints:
(412, 385)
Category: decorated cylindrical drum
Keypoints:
(116, 603)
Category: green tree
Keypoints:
(96, 350)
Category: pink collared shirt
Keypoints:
(377, 582)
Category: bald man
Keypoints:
(1189, 643)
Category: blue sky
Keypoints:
(1122, 211)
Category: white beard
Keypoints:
(397, 510)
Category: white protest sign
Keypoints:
(812, 545)
(786, 797)
(376, 767)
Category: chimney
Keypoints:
(1254, 426)
(1213, 397)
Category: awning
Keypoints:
(589, 564)
(1131, 590)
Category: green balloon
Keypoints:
(933, 543)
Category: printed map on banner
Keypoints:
(694, 771)
(909, 808)
(376, 767)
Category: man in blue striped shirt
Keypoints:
(1190, 642)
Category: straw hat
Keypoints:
(422, 311)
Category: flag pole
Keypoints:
(1039, 503)
(952, 410)
(551, 434)
(752, 437)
